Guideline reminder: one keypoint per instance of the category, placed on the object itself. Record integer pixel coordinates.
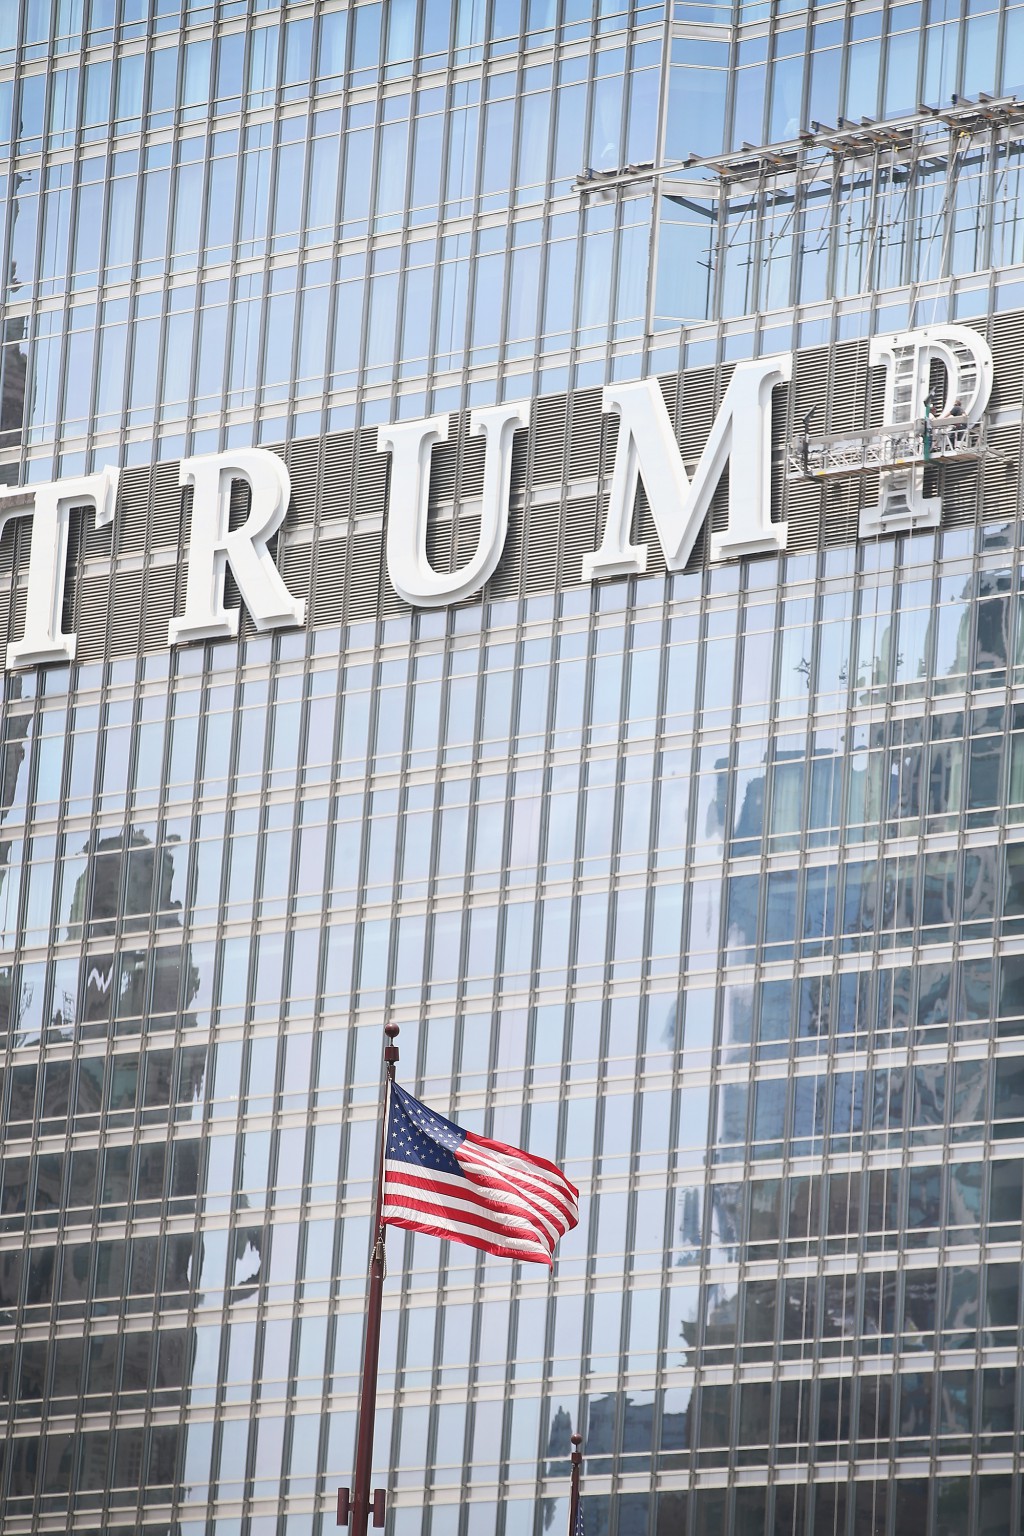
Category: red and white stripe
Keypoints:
(506, 1202)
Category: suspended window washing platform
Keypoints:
(901, 447)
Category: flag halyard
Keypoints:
(452, 1183)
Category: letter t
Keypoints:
(44, 639)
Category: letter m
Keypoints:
(647, 451)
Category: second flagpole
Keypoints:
(356, 1506)
(576, 1461)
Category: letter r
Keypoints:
(214, 545)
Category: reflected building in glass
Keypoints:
(707, 882)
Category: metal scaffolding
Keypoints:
(848, 453)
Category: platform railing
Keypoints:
(847, 453)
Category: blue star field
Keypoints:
(417, 1135)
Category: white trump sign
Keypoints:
(646, 453)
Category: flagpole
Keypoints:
(574, 1494)
(355, 1506)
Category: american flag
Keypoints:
(453, 1183)
(578, 1527)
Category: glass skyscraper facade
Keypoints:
(708, 883)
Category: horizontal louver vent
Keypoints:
(158, 605)
(165, 514)
(364, 574)
(548, 431)
(93, 598)
(803, 514)
(296, 564)
(131, 518)
(126, 614)
(467, 536)
(506, 581)
(579, 535)
(444, 464)
(440, 530)
(329, 582)
(1007, 341)
(337, 465)
(304, 472)
(694, 411)
(371, 476)
(585, 423)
